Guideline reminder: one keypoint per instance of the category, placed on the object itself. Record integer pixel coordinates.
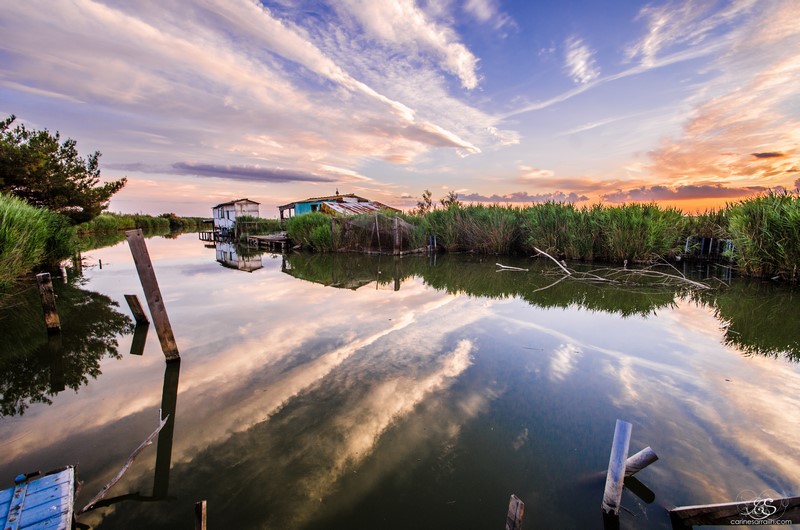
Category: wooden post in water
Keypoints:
(516, 510)
(51, 319)
(136, 309)
(152, 294)
(616, 468)
(200, 515)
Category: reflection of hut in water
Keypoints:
(228, 255)
(342, 271)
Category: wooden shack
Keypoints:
(334, 205)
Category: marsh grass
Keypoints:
(766, 235)
(30, 237)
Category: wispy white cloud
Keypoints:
(742, 130)
(488, 12)
(579, 61)
(232, 84)
(403, 24)
(690, 22)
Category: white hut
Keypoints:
(225, 214)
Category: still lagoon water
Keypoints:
(350, 391)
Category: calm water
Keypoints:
(367, 392)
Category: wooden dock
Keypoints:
(39, 502)
(279, 240)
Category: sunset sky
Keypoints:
(687, 103)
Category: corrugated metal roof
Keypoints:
(354, 208)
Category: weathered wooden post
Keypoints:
(136, 309)
(51, 319)
(152, 294)
(200, 515)
(516, 510)
(615, 477)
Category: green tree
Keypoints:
(37, 167)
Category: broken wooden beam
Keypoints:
(612, 495)
(639, 461)
(136, 309)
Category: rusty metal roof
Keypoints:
(354, 208)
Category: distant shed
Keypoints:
(225, 213)
(333, 205)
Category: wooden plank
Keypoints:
(136, 309)
(40, 504)
(733, 513)
(200, 515)
(152, 294)
(639, 461)
(516, 510)
(51, 319)
(612, 495)
(49, 501)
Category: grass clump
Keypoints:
(766, 234)
(312, 231)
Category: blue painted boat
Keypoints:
(42, 502)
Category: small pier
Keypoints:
(278, 240)
(39, 501)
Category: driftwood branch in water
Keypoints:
(554, 259)
(118, 476)
(624, 276)
(509, 268)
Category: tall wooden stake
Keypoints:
(51, 319)
(616, 468)
(152, 294)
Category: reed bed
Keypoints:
(765, 231)
(30, 237)
(766, 235)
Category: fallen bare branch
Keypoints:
(510, 268)
(118, 476)
(554, 259)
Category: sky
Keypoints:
(692, 104)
